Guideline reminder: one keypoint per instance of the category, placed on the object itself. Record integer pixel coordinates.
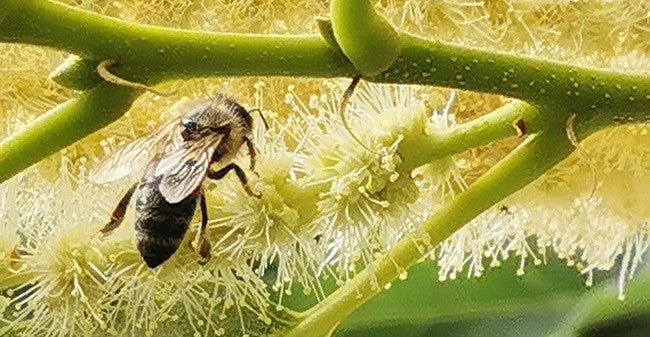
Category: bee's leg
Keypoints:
(119, 212)
(240, 174)
(202, 246)
(251, 152)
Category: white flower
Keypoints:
(558, 213)
(276, 231)
(367, 193)
(70, 281)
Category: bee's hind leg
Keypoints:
(216, 175)
(201, 245)
(119, 212)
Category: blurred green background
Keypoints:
(549, 300)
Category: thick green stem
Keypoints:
(151, 54)
(3, 15)
(76, 73)
(539, 82)
(62, 126)
(539, 153)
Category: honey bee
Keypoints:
(174, 161)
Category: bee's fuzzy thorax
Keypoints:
(232, 111)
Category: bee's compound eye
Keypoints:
(189, 124)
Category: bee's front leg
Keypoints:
(240, 174)
(251, 153)
(119, 212)
(201, 245)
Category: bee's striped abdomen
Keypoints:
(160, 226)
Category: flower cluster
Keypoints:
(367, 194)
(329, 205)
(62, 277)
(592, 219)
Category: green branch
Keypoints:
(530, 160)
(77, 73)
(150, 54)
(553, 84)
(62, 126)
(363, 43)
(417, 150)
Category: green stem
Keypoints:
(417, 150)
(62, 126)
(553, 84)
(77, 74)
(152, 54)
(539, 153)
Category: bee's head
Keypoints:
(216, 115)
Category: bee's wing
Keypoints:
(183, 168)
(134, 156)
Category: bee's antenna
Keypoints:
(344, 102)
(104, 73)
(259, 111)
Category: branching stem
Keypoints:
(64, 125)
(149, 55)
(539, 153)
(552, 93)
